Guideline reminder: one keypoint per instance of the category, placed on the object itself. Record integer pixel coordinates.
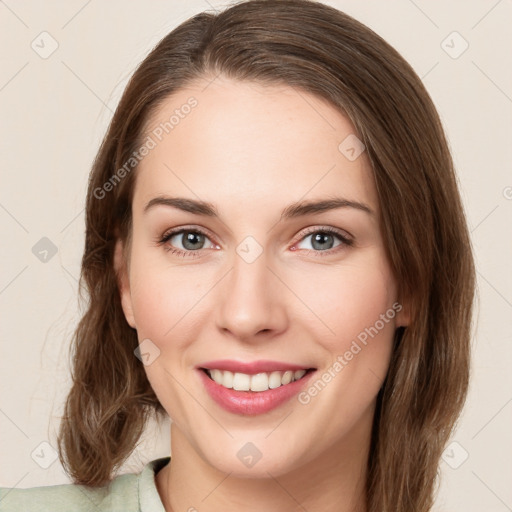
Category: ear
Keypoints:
(123, 282)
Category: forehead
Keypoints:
(252, 145)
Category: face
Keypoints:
(248, 278)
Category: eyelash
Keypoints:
(345, 241)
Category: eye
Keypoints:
(190, 240)
(323, 240)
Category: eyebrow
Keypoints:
(294, 210)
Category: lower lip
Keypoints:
(252, 403)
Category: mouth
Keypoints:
(258, 382)
(252, 388)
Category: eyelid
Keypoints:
(345, 238)
(344, 235)
(192, 228)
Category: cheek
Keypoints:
(155, 306)
(168, 305)
(350, 301)
(161, 296)
(359, 307)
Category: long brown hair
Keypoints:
(318, 49)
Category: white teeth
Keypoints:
(241, 382)
(287, 377)
(227, 379)
(216, 375)
(257, 382)
(274, 381)
(299, 374)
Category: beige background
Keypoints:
(54, 112)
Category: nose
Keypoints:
(251, 301)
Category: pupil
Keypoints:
(320, 238)
(192, 240)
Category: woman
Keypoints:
(277, 258)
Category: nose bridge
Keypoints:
(250, 277)
(250, 299)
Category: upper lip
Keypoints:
(251, 367)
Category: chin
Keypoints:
(254, 459)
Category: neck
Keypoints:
(332, 482)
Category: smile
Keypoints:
(258, 382)
(251, 388)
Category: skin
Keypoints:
(251, 151)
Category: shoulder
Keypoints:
(124, 493)
(120, 494)
(70, 497)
